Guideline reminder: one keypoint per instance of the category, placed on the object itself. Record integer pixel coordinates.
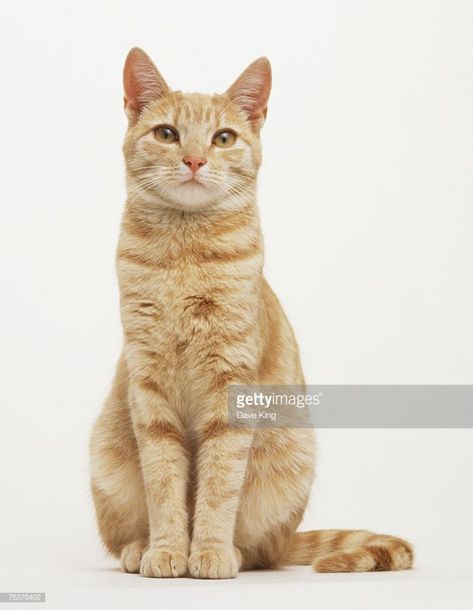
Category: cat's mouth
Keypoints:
(192, 180)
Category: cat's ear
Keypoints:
(142, 83)
(251, 90)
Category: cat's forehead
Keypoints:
(179, 108)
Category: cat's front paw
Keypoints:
(159, 563)
(215, 563)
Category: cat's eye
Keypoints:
(166, 134)
(224, 138)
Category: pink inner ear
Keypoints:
(252, 88)
(133, 89)
(142, 82)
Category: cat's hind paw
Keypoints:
(130, 557)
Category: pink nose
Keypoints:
(194, 163)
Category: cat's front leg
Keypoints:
(221, 467)
(164, 463)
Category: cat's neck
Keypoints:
(153, 221)
(174, 239)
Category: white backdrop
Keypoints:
(368, 231)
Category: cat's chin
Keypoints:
(193, 195)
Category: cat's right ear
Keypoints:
(142, 83)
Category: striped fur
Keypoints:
(177, 492)
(348, 551)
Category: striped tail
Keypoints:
(348, 551)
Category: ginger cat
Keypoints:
(177, 491)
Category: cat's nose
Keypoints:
(194, 162)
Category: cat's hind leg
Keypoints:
(117, 483)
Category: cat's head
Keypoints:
(193, 151)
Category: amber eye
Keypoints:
(166, 134)
(224, 138)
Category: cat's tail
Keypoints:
(348, 551)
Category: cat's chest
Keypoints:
(188, 288)
(171, 308)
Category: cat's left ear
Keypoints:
(251, 91)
